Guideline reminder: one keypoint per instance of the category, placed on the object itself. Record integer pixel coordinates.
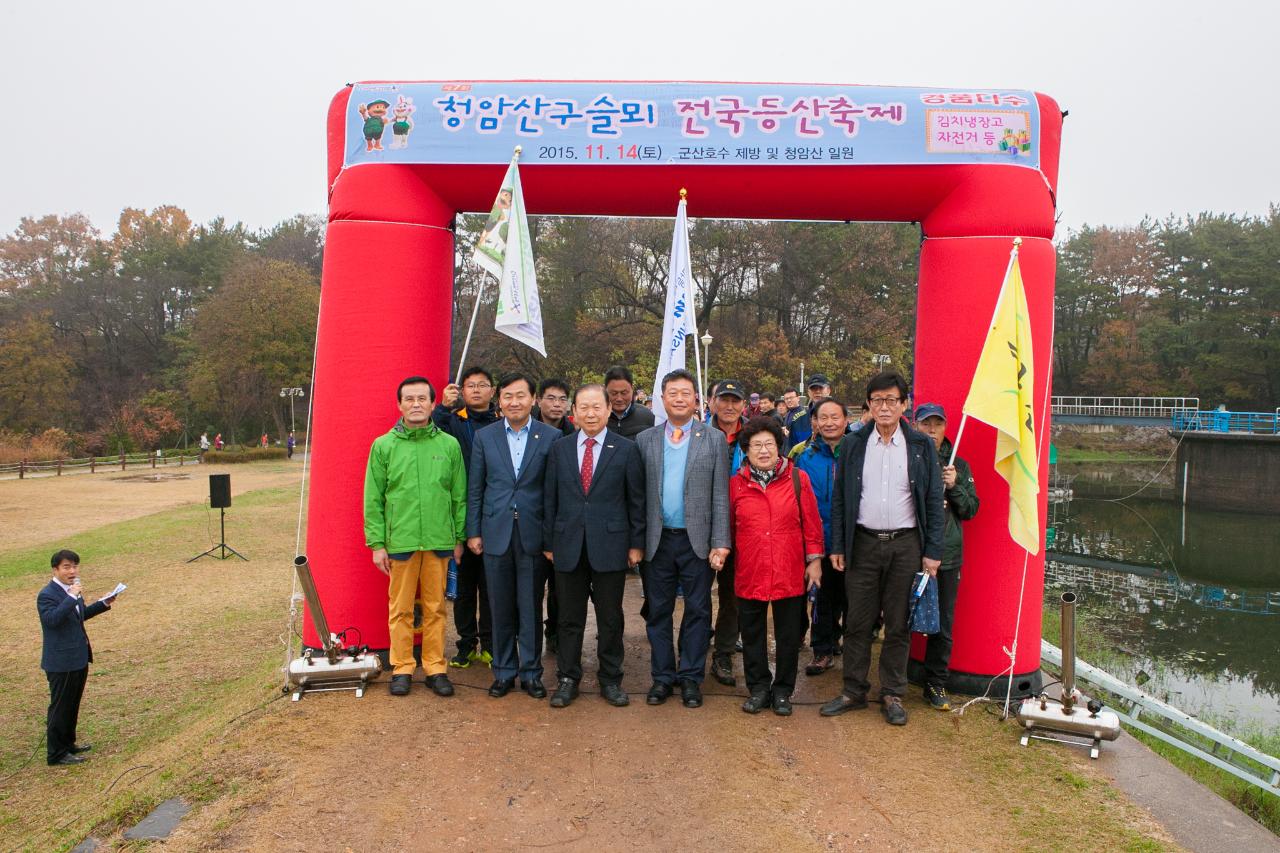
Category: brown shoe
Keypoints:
(820, 664)
(894, 713)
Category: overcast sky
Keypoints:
(219, 108)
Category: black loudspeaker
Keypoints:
(219, 491)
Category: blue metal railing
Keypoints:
(1256, 423)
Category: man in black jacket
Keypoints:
(552, 410)
(463, 410)
(627, 418)
(886, 525)
(66, 654)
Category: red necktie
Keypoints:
(587, 465)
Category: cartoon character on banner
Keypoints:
(375, 118)
(401, 121)
(493, 240)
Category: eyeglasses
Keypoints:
(884, 401)
(757, 446)
(477, 386)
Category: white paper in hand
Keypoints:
(119, 589)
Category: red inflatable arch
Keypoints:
(974, 168)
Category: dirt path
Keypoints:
(474, 773)
(49, 508)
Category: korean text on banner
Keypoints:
(1001, 395)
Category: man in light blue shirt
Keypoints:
(686, 537)
(504, 523)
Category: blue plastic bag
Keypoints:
(925, 616)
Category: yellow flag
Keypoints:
(1001, 396)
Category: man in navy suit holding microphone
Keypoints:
(66, 654)
(593, 530)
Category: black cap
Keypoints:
(818, 380)
(930, 410)
(731, 387)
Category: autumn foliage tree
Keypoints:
(253, 337)
(35, 376)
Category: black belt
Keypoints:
(886, 535)
(674, 530)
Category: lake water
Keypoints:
(1191, 598)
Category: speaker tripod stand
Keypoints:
(221, 551)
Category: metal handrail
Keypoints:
(1141, 704)
(1152, 407)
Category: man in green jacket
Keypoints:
(961, 504)
(415, 512)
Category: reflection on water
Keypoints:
(1191, 599)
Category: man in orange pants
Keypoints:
(415, 510)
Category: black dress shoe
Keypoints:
(691, 693)
(614, 695)
(440, 684)
(534, 688)
(782, 705)
(399, 685)
(77, 750)
(566, 692)
(756, 702)
(843, 703)
(501, 687)
(68, 759)
(722, 670)
(658, 693)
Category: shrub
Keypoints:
(252, 454)
(47, 446)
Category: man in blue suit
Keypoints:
(592, 530)
(66, 655)
(504, 523)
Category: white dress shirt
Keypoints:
(595, 449)
(886, 486)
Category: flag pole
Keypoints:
(1013, 256)
(475, 311)
(693, 315)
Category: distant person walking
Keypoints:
(290, 443)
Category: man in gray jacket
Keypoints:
(686, 536)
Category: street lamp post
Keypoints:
(706, 354)
(291, 393)
(880, 361)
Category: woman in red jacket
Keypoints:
(777, 544)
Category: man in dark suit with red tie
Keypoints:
(66, 655)
(593, 530)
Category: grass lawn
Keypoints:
(1073, 454)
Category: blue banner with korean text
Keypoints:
(704, 123)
